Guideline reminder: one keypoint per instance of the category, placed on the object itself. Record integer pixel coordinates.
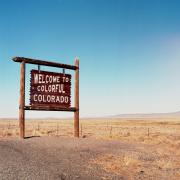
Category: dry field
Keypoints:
(156, 142)
(151, 131)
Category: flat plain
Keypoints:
(106, 149)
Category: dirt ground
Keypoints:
(107, 149)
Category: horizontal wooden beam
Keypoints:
(44, 63)
(49, 108)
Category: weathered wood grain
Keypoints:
(34, 89)
(49, 108)
(42, 62)
(22, 100)
(76, 100)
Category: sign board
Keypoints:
(50, 89)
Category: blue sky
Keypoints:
(129, 52)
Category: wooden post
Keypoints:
(76, 100)
(22, 100)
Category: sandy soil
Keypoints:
(109, 149)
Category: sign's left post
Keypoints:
(22, 100)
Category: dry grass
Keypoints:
(162, 135)
(140, 130)
(119, 164)
(152, 131)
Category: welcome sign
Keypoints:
(50, 89)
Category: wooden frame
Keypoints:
(23, 107)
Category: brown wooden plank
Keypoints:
(43, 62)
(44, 93)
(22, 101)
(76, 100)
(50, 73)
(49, 108)
(45, 104)
(51, 93)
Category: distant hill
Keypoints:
(152, 115)
(120, 116)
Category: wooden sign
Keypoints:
(50, 89)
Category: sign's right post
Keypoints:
(76, 99)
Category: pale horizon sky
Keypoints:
(129, 52)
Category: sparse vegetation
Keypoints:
(162, 136)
